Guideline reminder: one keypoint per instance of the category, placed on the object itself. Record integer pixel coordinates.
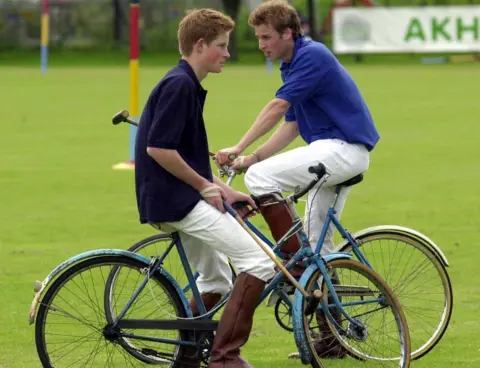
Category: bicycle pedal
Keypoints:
(314, 335)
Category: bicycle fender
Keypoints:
(41, 286)
(402, 231)
(297, 313)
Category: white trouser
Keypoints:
(287, 171)
(209, 237)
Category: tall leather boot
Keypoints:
(328, 346)
(236, 323)
(209, 301)
(192, 357)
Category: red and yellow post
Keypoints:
(134, 56)
(134, 67)
(44, 37)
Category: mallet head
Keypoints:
(120, 117)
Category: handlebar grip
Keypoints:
(240, 204)
(231, 156)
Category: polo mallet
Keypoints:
(122, 117)
(312, 300)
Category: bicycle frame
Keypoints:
(306, 252)
(331, 218)
(297, 227)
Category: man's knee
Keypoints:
(214, 287)
(258, 182)
(252, 179)
(262, 268)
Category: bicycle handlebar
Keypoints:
(319, 171)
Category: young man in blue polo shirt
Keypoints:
(176, 189)
(321, 103)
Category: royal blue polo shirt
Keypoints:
(172, 119)
(325, 101)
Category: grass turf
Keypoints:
(59, 195)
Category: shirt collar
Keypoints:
(298, 44)
(183, 64)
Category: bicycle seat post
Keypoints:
(338, 190)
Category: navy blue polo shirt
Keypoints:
(171, 119)
(325, 101)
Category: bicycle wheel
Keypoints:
(71, 326)
(383, 337)
(418, 279)
(156, 245)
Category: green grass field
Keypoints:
(59, 195)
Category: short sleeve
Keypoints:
(304, 77)
(172, 112)
(290, 115)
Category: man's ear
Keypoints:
(287, 34)
(199, 45)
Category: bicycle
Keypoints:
(353, 331)
(411, 264)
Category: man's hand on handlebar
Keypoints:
(226, 156)
(242, 163)
(241, 203)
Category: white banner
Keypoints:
(420, 29)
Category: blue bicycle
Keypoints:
(115, 308)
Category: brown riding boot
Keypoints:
(329, 346)
(236, 323)
(192, 358)
(209, 301)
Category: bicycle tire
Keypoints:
(391, 301)
(419, 349)
(68, 274)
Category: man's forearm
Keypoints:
(171, 161)
(282, 137)
(266, 120)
